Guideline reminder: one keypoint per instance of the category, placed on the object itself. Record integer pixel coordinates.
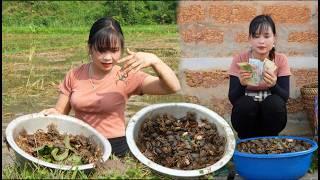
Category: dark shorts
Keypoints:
(119, 146)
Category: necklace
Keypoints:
(252, 56)
(90, 76)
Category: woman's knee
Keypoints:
(244, 105)
(273, 103)
(273, 114)
(244, 113)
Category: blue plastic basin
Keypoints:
(274, 166)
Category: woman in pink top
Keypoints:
(98, 91)
(259, 110)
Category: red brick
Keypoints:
(192, 99)
(294, 105)
(302, 37)
(193, 13)
(241, 37)
(206, 79)
(232, 13)
(220, 106)
(288, 14)
(206, 35)
(304, 76)
(295, 53)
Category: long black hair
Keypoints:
(262, 23)
(105, 34)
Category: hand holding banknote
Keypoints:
(269, 76)
(256, 71)
(245, 73)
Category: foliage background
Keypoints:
(83, 13)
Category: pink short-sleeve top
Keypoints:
(104, 105)
(280, 60)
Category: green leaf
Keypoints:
(67, 143)
(74, 159)
(60, 157)
(44, 150)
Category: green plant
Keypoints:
(314, 163)
(84, 13)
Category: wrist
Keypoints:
(156, 61)
(57, 110)
(243, 83)
(273, 87)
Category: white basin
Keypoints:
(179, 110)
(65, 124)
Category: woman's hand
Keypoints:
(166, 81)
(269, 78)
(50, 111)
(244, 77)
(138, 60)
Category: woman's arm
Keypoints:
(62, 106)
(166, 82)
(282, 87)
(236, 90)
(277, 85)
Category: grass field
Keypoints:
(35, 62)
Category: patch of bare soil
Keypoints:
(53, 147)
(273, 146)
(111, 165)
(184, 143)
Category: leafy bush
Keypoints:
(84, 13)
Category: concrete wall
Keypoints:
(211, 32)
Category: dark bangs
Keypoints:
(261, 24)
(106, 39)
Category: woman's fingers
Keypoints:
(132, 66)
(124, 59)
(50, 111)
(130, 52)
(245, 74)
(129, 63)
(269, 78)
(271, 74)
(268, 81)
(266, 75)
(137, 68)
(137, 59)
(244, 77)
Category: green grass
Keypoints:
(24, 39)
(132, 169)
(314, 164)
(136, 29)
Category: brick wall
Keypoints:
(211, 32)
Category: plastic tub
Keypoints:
(179, 110)
(65, 124)
(274, 166)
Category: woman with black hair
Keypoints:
(98, 91)
(259, 110)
